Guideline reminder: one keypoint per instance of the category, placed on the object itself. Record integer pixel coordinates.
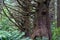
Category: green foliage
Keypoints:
(8, 31)
(55, 31)
(56, 34)
(4, 35)
(15, 35)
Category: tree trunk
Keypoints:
(42, 22)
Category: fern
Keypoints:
(8, 32)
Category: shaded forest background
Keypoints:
(8, 29)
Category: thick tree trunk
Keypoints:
(42, 22)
